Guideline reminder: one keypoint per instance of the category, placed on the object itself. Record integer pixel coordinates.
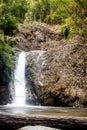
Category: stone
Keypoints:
(37, 128)
(17, 121)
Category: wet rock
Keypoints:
(37, 128)
(4, 95)
(35, 72)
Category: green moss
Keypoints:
(74, 62)
(30, 61)
(12, 42)
(74, 47)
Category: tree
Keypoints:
(19, 9)
(16, 8)
(8, 24)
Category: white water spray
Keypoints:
(20, 82)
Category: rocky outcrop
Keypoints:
(35, 74)
(60, 75)
(34, 37)
(66, 76)
(56, 69)
(62, 79)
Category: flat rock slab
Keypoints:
(37, 128)
(16, 121)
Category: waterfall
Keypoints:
(19, 80)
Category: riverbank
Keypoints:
(16, 121)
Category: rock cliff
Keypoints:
(58, 67)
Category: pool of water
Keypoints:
(44, 110)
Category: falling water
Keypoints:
(19, 82)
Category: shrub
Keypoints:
(6, 63)
(65, 31)
(11, 42)
(8, 24)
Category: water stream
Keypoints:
(19, 80)
(44, 110)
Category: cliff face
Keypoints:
(4, 94)
(34, 37)
(60, 73)
(36, 67)
(66, 76)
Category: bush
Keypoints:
(6, 63)
(8, 24)
(65, 31)
(84, 32)
(12, 42)
(53, 19)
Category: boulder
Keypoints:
(37, 128)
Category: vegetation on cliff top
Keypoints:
(70, 14)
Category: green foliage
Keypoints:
(48, 11)
(16, 8)
(65, 31)
(74, 48)
(12, 42)
(6, 62)
(19, 9)
(68, 29)
(8, 24)
(74, 62)
(85, 32)
(57, 12)
(82, 3)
